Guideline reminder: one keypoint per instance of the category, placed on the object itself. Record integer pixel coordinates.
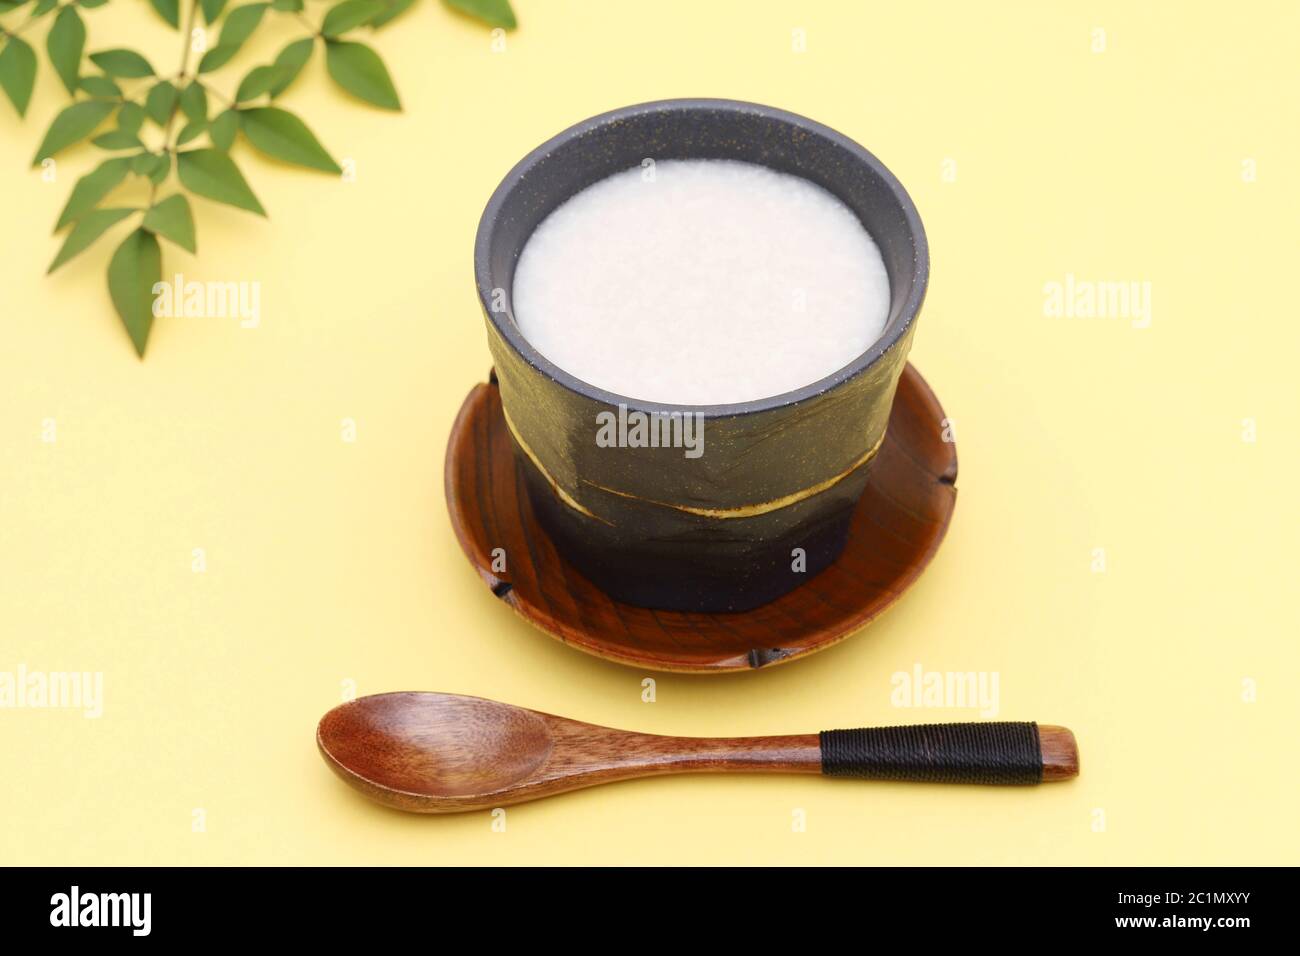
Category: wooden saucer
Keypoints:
(897, 527)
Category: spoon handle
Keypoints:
(985, 752)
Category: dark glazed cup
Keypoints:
(721, 532)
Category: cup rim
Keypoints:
(895, 331)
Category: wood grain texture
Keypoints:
(897, 526)
(1060, 753)
(446, 753)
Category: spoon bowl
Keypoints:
(434, 745)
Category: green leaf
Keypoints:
(130, 117)
(160, 169)
(194, 102)
(142, 164)
(212, 9)
(241, 22)
(238, 26)
(91, 4)
(100, 86)
(169, 10)
(495, 13)
(18, 72)
(350, 14)
(135, 269)
(93, 187)
(191, 131)
(223, 130)
(43, 7)
(217, 57)
(173, 220)
(290, 63)
(74, 124)
(358, 69)
(392, 10)
(89, 228)
(65, 43)
(123, 63)
(161, 102)
(259, 80)
(281, 135)
(214, 175)
(118, 139)
(287, 6)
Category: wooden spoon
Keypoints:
(444, 753)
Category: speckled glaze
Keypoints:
(651, 526)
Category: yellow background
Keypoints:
(331, 562)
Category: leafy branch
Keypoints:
(165, 123)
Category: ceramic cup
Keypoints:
(767, 503)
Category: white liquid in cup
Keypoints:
(701, 282)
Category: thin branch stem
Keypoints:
(188, 39)
(186, 43)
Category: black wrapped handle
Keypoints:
(992, 753)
